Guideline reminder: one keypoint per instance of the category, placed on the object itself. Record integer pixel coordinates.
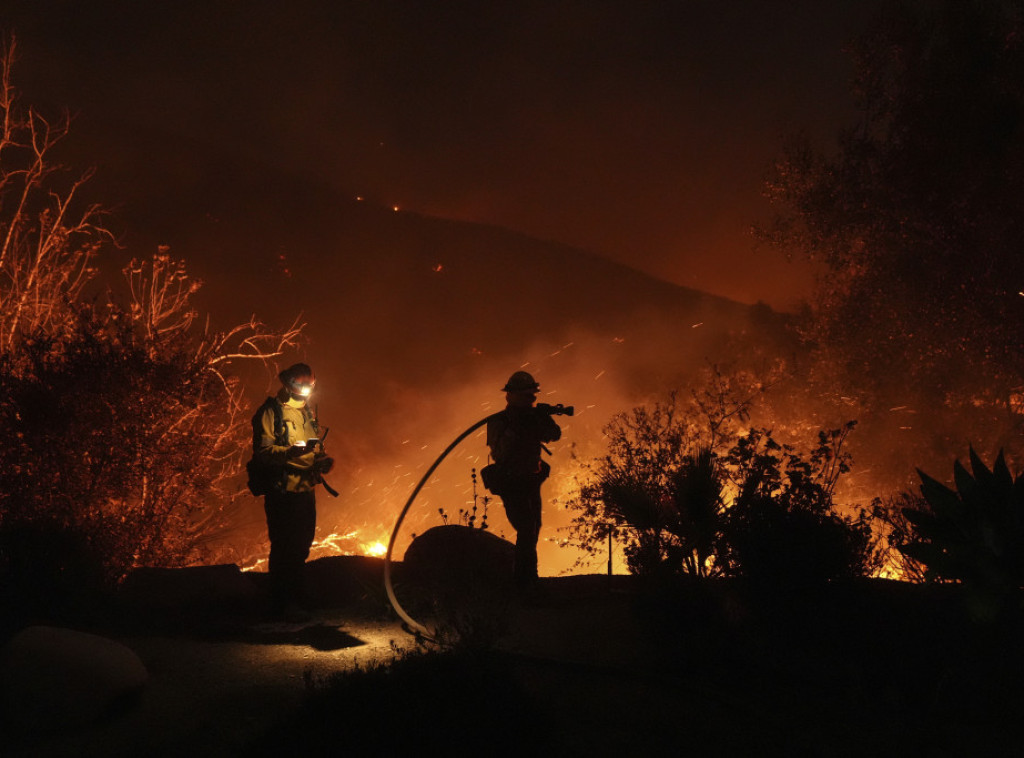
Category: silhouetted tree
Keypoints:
(121, 423)
(783, 527)
(656, 489)
(687, 492)
(917, 220)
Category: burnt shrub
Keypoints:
(49, 569)
(791, 548)
(783, 527)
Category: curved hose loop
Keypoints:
(409, 620)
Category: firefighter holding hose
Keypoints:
(516, 437)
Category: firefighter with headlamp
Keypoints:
(288, 445)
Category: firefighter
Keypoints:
(287, 443)
(516, 437)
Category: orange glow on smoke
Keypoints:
(576, 370)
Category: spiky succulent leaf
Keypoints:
(1002, 478)
(943, 501)
(928, 526)
(981, 472)
(940, 563)
(975, 533)
(970, 490)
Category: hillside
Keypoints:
(394, 296)
(414, 323)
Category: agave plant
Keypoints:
(975, 533)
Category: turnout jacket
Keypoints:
(296, 474)
(515, 437)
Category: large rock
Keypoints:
(56, 679)
(461, 579)
(219, 588)
(344, 580)
(455, 556)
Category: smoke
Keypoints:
(388, 446)
(642, 134)
(413, 324)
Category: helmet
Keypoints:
(298, 379)
(521, 381)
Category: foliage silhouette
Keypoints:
(743, 505)
(893, 530)
(973, 534)
(491, 713)
(123, 422)
(783, 527)
(916, 220)
(655, 471)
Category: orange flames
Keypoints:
(354, 542)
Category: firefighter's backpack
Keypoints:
(261, 477)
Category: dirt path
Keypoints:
(212, 691)
(867, 669)
(209, 698)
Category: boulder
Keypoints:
(343, 580)
(218, 588)
(461, 579)
(455, 555)
(57, 679)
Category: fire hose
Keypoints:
(410, 622)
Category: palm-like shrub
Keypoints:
(677, 524)
(696, 495)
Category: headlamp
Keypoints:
(298, 380)
(302, 386)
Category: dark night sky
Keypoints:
(638, 130)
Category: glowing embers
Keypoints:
(355, 542)
(376, 549)
(350, 543)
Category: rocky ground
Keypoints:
(591, 666)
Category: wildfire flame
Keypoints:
(354, 542)
(349, 543)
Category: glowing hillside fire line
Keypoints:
(331, 541)
(335, 544)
